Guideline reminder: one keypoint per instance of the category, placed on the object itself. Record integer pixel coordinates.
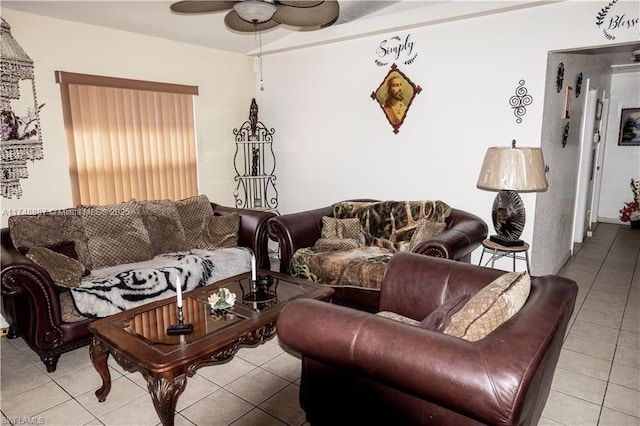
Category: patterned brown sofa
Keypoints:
(431, 228)
(45, 314)
(364, 369)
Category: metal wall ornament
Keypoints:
(560, 77)
(395, 95)
(520, 101)
(565, 135)
(21, 136)
(579, 85)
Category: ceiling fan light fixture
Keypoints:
(254, 10)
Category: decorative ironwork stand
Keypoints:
(255, 164)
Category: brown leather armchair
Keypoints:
(359, 368)
(31, 302)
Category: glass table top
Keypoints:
(266, 293)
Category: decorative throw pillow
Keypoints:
(64, 270)
(116, 234)
(425, 230)
(50, 228)
(163, 224)
(67, 248)
(490, 307)
(220, 231)
(192, 212)
(397, 317)
(439, 319)
(341, 228)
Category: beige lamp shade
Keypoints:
(513, 168)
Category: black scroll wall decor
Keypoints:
(565, 135)
(560, 77)
(520, 101)
(579, 85)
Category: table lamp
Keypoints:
(507, 170)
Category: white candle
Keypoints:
(179, 292)
(253, 267)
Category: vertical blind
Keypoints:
(128, 139)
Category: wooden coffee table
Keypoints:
(138, 339)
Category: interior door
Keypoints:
(602, 112)
(588, 150)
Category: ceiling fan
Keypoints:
(258, 15)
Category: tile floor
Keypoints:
(597, 381)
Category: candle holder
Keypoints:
(181, 327)
(261, 293)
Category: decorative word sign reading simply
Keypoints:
(394, 48)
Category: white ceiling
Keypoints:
(357, 18)
(154, 18)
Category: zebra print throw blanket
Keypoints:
(114, 289)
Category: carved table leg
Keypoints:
(165, 393)
(99, 354)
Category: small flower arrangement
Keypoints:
(222, 299)
(19, 128)
(631, 210)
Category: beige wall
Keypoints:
(333, 141)
(226, 83)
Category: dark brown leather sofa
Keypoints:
(359, 368)
(31, 302)
(464, 233)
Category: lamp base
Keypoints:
(506, 242)
(508, 216)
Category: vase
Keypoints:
(635, 224)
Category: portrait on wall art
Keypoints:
(629, 127)
(395, 95)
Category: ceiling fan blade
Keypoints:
(320, 15)
(233, 21)
(300, 3)
(201, 6)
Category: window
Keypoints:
(128, 139)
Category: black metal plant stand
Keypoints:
(255, 163)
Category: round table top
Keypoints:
(495, 246)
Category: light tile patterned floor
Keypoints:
(597, 381)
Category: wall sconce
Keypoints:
(507, 170)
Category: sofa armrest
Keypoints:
(295, 231)
(253, 231)
(464, 233)
(30, 300)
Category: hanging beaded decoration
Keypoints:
(21, 136)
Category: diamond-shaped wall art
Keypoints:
(395, 95)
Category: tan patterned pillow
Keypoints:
(220, 231)
(425, 230)
(340, 234)
(50, 228)
(192, 212)
(490, 307)
(116, 234)
(163, 224)
(341, 228)
(64, 271)
(397, 317)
